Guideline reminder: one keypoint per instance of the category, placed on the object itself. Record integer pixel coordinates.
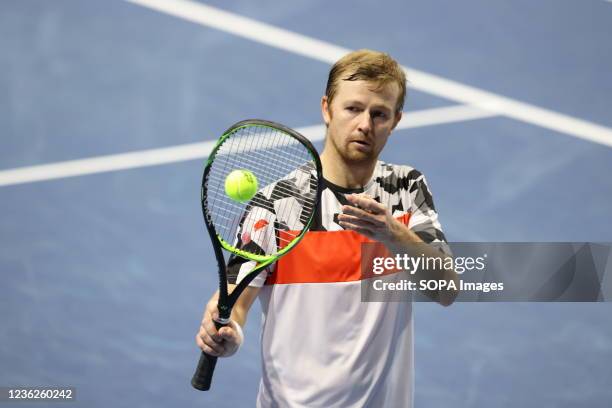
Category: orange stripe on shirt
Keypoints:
(327, 257)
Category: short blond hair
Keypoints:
(367, 65)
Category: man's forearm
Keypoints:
(243, 304)
(407, 242)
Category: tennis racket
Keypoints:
(288, 172)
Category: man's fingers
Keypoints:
(363, 231)
(204, 347)
(367, 203)
(364, 223)
(209, 339)
(209, 325)
(211, 351)
(210, 329)
(358, 212)
(208, 345)
(228, 346)
(362, 215)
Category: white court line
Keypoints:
(330, 53)
(103, 164)
(201, 150)
(438, 116)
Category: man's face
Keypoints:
(360, 119)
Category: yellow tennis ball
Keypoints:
(241, 185)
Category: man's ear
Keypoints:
(325, 110)
(398, 117)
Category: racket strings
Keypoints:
(285, 202)
(285, 190)
(225, 214)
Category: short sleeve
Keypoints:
(255, 234)
(238, 268)
(424, 217)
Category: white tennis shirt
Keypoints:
(321, 345)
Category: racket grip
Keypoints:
(206, 367)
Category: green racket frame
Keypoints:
(203, 376)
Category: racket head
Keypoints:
(288, 170)
(289, 175)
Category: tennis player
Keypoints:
(321, 345)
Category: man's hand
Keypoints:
(222, 343)
(370, 218)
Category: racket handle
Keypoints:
(206, 367)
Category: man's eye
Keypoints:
(379, 115)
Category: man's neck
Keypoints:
(343, 174)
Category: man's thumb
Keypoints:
(227, 333)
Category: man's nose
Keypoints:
(365, 122)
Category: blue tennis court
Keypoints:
(107, 112)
